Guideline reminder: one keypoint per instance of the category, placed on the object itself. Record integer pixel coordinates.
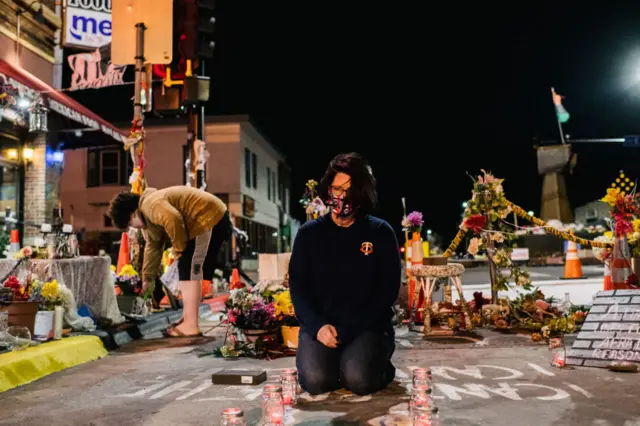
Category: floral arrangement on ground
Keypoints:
(530, 312)
(127, 281)
(48, 294)
(262, 309)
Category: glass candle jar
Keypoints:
(422, 377)
(272, 406)
(558, 353)
(232, 417)
(425, 416)
(421, 397)
(289, 382)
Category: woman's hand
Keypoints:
(328, 336)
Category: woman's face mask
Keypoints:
(339, 200)
(340, 206)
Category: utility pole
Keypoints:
(195, 26)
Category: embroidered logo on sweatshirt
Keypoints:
(366, 248)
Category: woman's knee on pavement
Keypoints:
(317, 382)
(363, 379)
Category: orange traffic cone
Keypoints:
(608, 284)
(620, 264)
(572, 265)
(416, 259)
(235, 282)
(123, 255)
(207, 289)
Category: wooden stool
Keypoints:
(426, 278)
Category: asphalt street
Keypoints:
(490, 379)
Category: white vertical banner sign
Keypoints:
(157, 17)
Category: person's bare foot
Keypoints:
(177, 323)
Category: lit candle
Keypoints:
(276, 414)
(558, 361)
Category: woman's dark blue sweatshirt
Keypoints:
(346, 277)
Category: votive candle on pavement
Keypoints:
(232, 417)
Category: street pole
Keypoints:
(139, 72)
(196, 145)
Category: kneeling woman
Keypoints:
(344, 277)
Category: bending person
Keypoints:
(197, 224)
(344, 277)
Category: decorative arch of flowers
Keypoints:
(493, 236)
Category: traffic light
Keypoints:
(194, 28)
(206, 23)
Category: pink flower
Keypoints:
(27, 251)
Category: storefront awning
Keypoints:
(30, 86)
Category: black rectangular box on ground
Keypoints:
(239, 377)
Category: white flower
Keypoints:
(497, 237)
(474, 246)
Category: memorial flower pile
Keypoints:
(485, 217)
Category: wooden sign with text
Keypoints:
(611, 331)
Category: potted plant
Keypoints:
(128, 287)
(48, 295)
(22, 311)
(253, 314)
(285, 312)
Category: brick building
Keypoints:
(30, 164)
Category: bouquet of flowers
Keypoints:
(128, 282)
(311, 202)
(413, 222)
(251, 311)
(624, 209)
(13, 290)
(48, 294)
(284, 308)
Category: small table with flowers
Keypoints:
(89, 279)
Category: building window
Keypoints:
(268, 183)
(108, 167)
(254, 169)
(286, 200)
(247, 167)
(272, 182)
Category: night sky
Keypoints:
(429, 94)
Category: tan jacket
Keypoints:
(179, 214)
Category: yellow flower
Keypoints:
(113, 268)
(612, 196)
(50, 290)
(128, 270)
(609, 235)
(636, 225)
(283, 303)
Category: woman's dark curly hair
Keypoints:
(362, 193)
(122, 207)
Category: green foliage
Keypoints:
(4, 242)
